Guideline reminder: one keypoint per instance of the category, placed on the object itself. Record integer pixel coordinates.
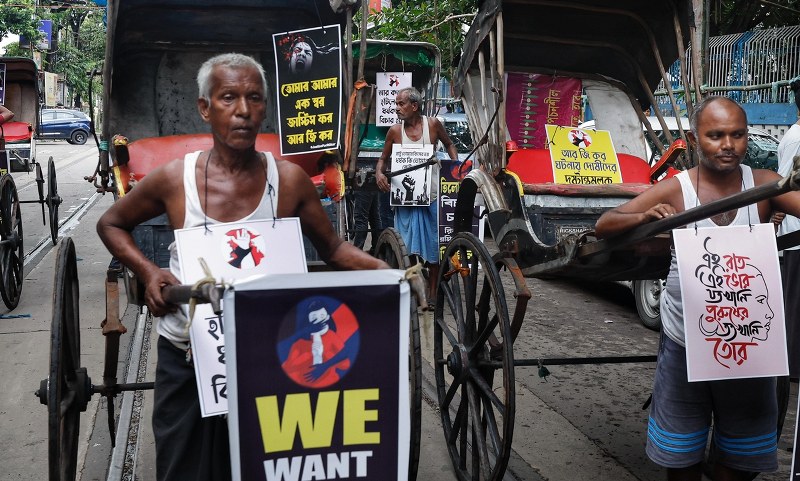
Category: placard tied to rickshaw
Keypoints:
(411, 188)
(232, 251)
(319, 380)
(388, 84)
(732, 302)
(582, 156)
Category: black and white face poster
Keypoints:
(309, 71)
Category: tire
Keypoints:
(647, 294)
(78, 137)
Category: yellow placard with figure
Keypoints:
(582, 156)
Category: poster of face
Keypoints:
(388, 84)
(309, 71)
(732, 302)
(413, 187)
(232, 251)
(318, 382)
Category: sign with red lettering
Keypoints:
(732, 302)
(318, 376)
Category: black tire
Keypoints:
(66, 395)
(391, 249)
(78, 137)
(647, 294)
(12, 251)
(473, 361)
(53, 199)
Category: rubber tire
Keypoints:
(79, 137)
(647, 302)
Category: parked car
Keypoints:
(458, 130)
(65, 124)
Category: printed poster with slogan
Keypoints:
(318, 382)
(582, 156)
(232, 251)
(732, 302)
(411, 188)
(388, 84)
(450, 177)
(308, 67)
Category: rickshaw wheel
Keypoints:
(53, 200)
(391, 249)
(67, 383)
(40, 189)
(11, 253)
(473, 361)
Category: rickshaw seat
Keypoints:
(138, 158)
(534, 168)
(16, 131)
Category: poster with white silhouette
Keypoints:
(232, 251)
(388, 84)
(732, 302)
(411, 188)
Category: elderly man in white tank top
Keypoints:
(230, 182)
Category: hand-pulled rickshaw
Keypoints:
(153, 52)
(18, 154)
(541, 228)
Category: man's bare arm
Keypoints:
(447, 142)
(143, 202)
(5, 114)
(653, 204)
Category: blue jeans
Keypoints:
(366, 217)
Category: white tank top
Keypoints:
(174, 326)
(671, 298)
(424, 140)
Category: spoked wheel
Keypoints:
(53, 200)
(473, 360)
(67, 389)
(391, 249)
(40, 189)
(11, 252)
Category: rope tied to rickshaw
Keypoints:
(197, 286)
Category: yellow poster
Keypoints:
(582, 156)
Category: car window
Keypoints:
(460, 135)
(48, 115)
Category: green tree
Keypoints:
(735, 16)
(19, 17)
(81, 49)
(440, 22)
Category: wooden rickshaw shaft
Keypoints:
(747, 197)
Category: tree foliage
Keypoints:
(440, 22)
(19, 17)
(736, 16)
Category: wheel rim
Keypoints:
(650, 292)
(391, 249)
(53, 200)
(12, 254)
(474, 361)
(63, 395)
(40, 189)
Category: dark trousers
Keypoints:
(188, 446)
(387, 214)
(366, 216)
(791, 296)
